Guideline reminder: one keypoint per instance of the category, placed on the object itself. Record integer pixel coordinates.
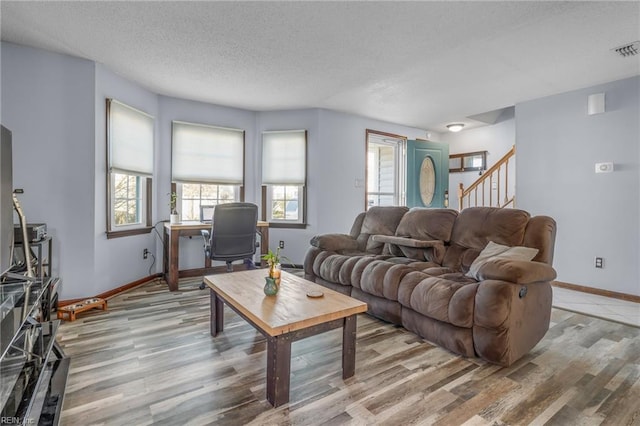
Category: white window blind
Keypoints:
(207, 154)
(130, 140)
(284, 157)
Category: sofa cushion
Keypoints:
(445, 299)
(426, 225)
(498, 251)
(379, 221)
(476, 226)
(382, 279)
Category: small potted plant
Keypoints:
(273, 260)
(173, 200)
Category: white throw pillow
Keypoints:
(498, 251)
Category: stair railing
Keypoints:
(495, 180)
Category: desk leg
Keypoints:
(278, 369)
(264, 241)
(172, 257)
(217, 314)
(349, 347)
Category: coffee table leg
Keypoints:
(278, 369)
(349, 347)
(217, 314)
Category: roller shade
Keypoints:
(202, 153)
(130, 139)
(284, 157)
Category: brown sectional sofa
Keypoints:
(411, 266)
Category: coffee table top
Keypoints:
(291, 309)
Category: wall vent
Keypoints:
(627, 50)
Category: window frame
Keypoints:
(267, 192)
(144, 227)
(400, 151)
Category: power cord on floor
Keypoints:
(152, 263)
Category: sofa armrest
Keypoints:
(335, 242)
(517, 271)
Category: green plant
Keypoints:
(273, 259)
(173, 200)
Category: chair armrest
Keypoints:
(517, 271)
(334, 242)
(206, 236)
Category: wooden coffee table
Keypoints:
(284, 318)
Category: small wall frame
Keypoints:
(468, 162)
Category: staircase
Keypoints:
(495, 188)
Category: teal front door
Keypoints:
(427, 174)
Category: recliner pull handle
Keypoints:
(523, 292)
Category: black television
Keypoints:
(6, 200)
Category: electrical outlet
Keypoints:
(281, 244)
(145, 253)
(599, 262)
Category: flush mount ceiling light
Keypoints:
(455, 127)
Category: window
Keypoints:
(198, 199)
(385, 169)
(284, 203)
(129, 169)
(207, 167)
(128, 199)
(468, 162)
(284, 177)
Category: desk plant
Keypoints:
(173, 200)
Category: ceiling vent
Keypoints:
(627, 50)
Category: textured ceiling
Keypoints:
(421, 64)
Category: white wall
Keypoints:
(597, 214)
(497, 139)
(48, 104)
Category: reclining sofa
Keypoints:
(416, 268)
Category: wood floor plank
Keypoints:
(150, 359)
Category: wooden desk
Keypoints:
(172, 233)
(284, 318)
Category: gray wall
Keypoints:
(48, 104)
(558, 145)
(55, 105)
(191, 254)
(119, 260)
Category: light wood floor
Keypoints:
(150, 360)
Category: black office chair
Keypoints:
(233, 234)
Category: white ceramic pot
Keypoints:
(174, 218)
